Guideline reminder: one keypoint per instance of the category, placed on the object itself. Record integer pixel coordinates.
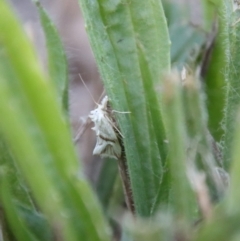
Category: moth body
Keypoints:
(108, 144)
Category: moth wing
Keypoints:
(106, 129)
(106, 148)
(107, 136)
(112, 152)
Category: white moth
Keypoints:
(108, 136)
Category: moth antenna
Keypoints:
(87, 89)
(101, 96)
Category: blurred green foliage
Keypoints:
(179, 83)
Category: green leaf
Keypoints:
(208, 9)
(221, 228)
(186, 44)
(44, 107)
(233, 83)
(57, 63)
(233, 197)
(216, 78)
(18, 227)
(138, 30)
(182, 199)
(9, 168)
(29, 155)
(174, 11)
(34, 221)
(162, 227)
(200, 139)
(106, 181)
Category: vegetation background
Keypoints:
(67, 18)
(178, 77)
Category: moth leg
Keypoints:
(86, 122)
(121, 112)
(101, 96)
(113, 124)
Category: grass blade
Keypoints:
(134, 29)
(233, 73)
(106, 181)
(19, 228)
(233, 197)
(57, 63)
(182, 198)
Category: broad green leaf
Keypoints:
(131, 44)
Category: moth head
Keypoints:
(98, 113)
(104, 102)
